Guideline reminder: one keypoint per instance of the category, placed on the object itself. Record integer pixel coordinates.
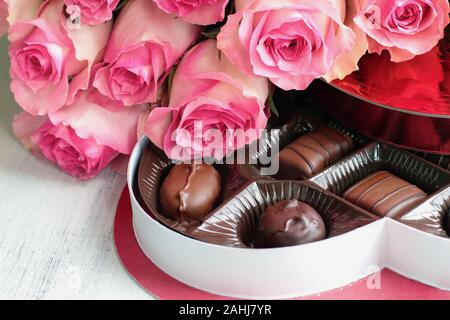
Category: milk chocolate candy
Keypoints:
(313, 152)
(288, 223)
(385, 194)
(190, 191)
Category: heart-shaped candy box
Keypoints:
(216, 254)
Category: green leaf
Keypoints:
(211, 34)
(273, 107)
(120, 5)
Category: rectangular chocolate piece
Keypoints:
(313, 152)
(385, 194)
(379, 156)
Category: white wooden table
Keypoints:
(56, 233)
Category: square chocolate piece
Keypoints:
(385, 194)
(313, 152)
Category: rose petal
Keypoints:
(347, 62)
(94, 12)
(229, 43)
(201, 68)
(158, 124)
(22, 10)
(142, 20)
(90, 120)
(24, 126)
(207, 14)
(202, 13)
(43, 102)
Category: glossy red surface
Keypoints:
(405, 104)
(420, 85)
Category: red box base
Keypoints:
(162, 286)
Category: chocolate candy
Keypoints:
(313, 152)
(190, 191)
(289, 223)
(385, 194)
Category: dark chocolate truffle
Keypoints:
(313, 152)
(190, 191)
(385, 194)
(289, 223)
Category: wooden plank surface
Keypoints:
(56, 239)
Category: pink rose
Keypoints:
(145, 43)
(81, 158)
(290, 42)
(92, 12)
(405, 28)
(211, 100)
(82, 138)
(201, 12)
(51, 61)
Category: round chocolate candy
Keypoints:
(289, 223)
(190, 191)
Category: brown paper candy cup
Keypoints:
(431, 216)
(377, 156)
(235, 223)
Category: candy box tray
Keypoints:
(245, 195)
(235, 217)
(235, 270)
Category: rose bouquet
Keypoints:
(92, 76)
